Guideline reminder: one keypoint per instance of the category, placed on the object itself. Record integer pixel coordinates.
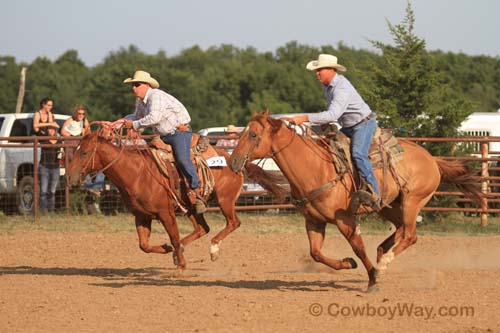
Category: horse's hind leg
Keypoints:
(394, 215)
(406, 233)
(200, 228)
(143, 227)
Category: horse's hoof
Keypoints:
(372, 289)
(214, 256)
(167, 248)
(215, 250)
(351, 262)
(179, 272)
(175, 258)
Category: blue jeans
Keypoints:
(181, 147)
(361, 138)
(97, 184)
(49, 179)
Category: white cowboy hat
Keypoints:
(231, 129)
(325, 61)
(142, 76)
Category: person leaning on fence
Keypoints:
(232, 138)
(76, 125)
(49, 172)
(358, 122)
(44, 118)
(170, 119)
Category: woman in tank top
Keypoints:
(77, 125)
(44, 118)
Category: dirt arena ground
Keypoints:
(93, 282)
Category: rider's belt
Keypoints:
(365, 119)
(183, 127)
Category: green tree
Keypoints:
(9, 80)
(409, 93)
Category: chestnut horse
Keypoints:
(147, 195)
(324, 196)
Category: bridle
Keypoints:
(92, 160)
(254, 136)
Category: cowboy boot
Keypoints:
(374, 201)
(199, 204)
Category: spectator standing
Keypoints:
(232, 139)
(49, 172)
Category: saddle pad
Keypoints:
(390, 145)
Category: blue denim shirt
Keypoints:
(345, 105)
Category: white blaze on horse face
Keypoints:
(385, 260)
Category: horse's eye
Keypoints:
(253, 135)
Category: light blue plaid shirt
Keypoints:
(345, 105)
(159, 110)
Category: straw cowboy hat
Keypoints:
(325, 61)
(144, 77)
(231, 129)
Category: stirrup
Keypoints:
(368, 199)
(200, 207)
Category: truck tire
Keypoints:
(26, 195)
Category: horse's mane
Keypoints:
(317, 144)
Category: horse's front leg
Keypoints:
(167, 218)
(316, 234)
(143, 227)
(347, 226)
(200, 228)
(232, 223)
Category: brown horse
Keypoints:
(325, 196)
(144, 191)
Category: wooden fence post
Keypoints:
(484, 183)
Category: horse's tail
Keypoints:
(457, 173)
(267, 180)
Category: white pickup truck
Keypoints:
(16, 163)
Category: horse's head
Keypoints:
(85, 159)
(256, 140)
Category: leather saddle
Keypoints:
(201, 150)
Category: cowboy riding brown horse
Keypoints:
(148, 196)
(324, 195)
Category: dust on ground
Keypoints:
(83, 281)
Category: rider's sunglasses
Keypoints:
(137, 84)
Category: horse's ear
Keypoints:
(266, 112)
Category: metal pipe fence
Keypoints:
(14, 193)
